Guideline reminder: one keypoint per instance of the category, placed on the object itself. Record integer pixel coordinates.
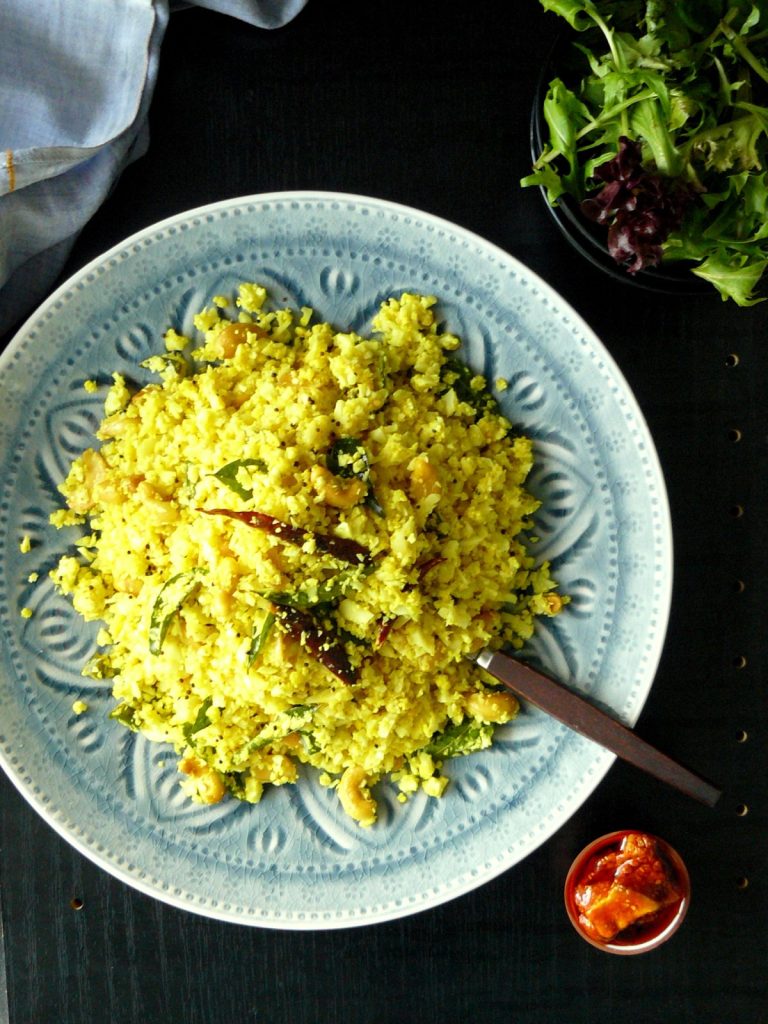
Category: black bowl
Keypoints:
(586, 237)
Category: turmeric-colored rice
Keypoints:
(296, 537)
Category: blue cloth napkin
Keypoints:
(75, 88)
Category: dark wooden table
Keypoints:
(427, 103)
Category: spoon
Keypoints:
(588, 720)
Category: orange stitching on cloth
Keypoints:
(10, 169)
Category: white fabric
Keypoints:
(75, 88)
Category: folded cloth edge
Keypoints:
(40, 215)
(29, 262)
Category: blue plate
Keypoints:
(295, 860)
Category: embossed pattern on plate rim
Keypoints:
(477, 873)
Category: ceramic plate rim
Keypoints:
(602, 760)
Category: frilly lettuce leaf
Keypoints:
(734, 276)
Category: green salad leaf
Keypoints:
(657, 124)
(733, 278)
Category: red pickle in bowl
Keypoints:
(627, 892)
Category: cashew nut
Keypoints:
(234, 334)
(355, 797)
(160, 510)
(424, 481)
(208, 784)
(97, 486)
(496, 708)
(335, 490)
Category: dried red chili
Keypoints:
(340, 547)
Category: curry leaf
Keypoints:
(125, 715)
(324, 593)
(200, 722)
(464, 738)
(260, 637)
(229, 474)
(348, 458)
(458, 376)
(171, 597)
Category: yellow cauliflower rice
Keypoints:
(296, 537)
